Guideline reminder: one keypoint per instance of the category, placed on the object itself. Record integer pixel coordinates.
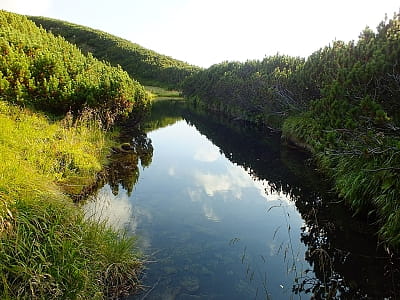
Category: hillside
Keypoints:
(146, 66)
(342, 103)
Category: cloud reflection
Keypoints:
(115, 210)
(234, 181)
(210, 213)
(234, 184)
(213, 183)
(171, 171)
(208, 154)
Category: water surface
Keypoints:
(223, 211)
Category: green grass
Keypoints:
(161, 93)
(48, 250)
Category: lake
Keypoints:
(223, 210)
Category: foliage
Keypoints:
(252, 91)
(44, 71)
(342, 102)
(145, 65)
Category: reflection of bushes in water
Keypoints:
(164, 113)
(256, 149)
(340, 247)
(124, 166)
(123, 171)
(346, 263)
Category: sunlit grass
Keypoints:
(58, 151)
(48, 250)
(159, 92)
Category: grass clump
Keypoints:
(54, 253)
(48, 250)
(60, 151)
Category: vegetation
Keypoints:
(164, 113)
(48, 248)
(44, 71)
(252, 91)
(145, 65)
(341, 102)
(161, 93)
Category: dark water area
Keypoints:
(223, 210)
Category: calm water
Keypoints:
(225, 212)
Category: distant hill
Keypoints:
(146, 66)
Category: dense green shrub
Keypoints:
(47, 72)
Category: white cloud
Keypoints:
(27, 7)
(234, 184)
(208, 31)
(234, 180)
(207, 154)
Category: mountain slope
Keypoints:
(146, 66)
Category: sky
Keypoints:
(206, 32)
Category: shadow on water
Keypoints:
(343, 254)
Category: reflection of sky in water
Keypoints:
(116, 210)
(218, 232)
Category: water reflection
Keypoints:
(228, 214)
(346, 261)
(115, 208)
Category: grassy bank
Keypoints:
(48, 250)
(364, 165)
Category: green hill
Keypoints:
(146, 66)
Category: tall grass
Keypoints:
(48, 250)
(365, 170)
